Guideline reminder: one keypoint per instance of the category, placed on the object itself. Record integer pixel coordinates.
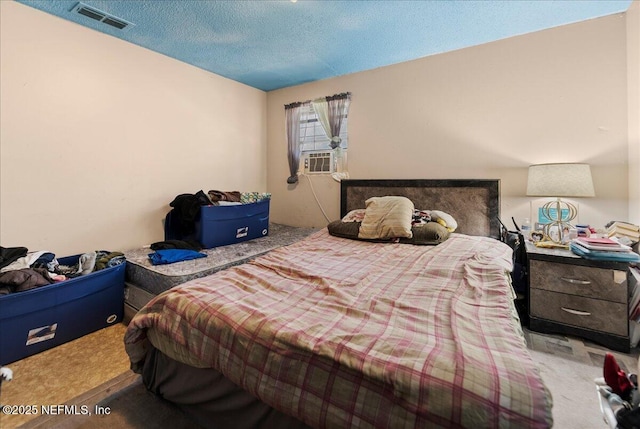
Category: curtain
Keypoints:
(331, 110)
(292, 114)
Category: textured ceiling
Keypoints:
(280, 43)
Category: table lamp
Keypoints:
(559, 180)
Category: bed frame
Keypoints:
(475, 204)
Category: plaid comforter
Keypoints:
(342, 333)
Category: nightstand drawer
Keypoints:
(604, 316)
(598, 283)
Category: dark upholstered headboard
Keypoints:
(475, 204)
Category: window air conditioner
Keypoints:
(319, 162)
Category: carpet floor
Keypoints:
(91, 375)
(568, 367)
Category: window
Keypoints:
(308, 147)
(312, 136)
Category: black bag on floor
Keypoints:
(519, 275)
(628, 419)
(515, 240)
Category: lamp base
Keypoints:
(558, 229)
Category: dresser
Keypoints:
(576, 296)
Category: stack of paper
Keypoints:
(604, 249)
(626, 231)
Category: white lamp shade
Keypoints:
(560, 180)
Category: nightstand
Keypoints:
(575, 296)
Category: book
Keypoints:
(603, 247)
(624, 233)
(599, 241)
(623, 226)
(623, 230)
(625, 256)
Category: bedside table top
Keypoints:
(568, 257)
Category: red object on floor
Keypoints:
(615, 377)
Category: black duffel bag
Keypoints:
(515, 240)
(519, 275)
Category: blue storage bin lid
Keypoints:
(216, 213)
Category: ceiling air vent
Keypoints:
(98, 15)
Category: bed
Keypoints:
(143, 280)
(335, 332)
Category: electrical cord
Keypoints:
(316, 197)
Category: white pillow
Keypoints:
(387, 217)
(354, 216)
(444, 219)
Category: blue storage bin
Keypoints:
(39, 319)
(223, 225)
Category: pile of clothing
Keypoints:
(620, 392)
(170, 251)
(21, 270)
(180, 223)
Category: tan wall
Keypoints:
(99, 135)
(633, 60)
(489, 111)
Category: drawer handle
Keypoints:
(575, 281)
(576, 312)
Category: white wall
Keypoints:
(488, 111)
(633, 61)
(97, 136)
